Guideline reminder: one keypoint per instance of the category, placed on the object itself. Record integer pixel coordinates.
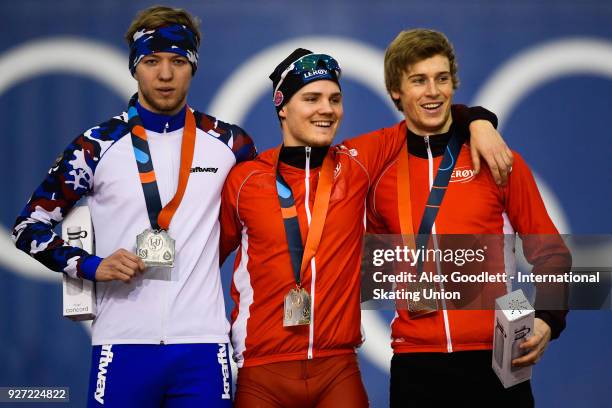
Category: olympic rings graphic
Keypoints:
(505, 88)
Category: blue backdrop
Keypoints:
(544, 66)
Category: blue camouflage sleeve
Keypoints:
(233, 136)
(69, 179)
(243, 146)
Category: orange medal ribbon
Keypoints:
(187, 150)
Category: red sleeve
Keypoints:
(375, 149)
(542, 245)
(231, 226)
(374, 225)
(524, 205)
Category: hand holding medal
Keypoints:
(120, 265)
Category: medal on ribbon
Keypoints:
(434, 201)
(297, 306)
(154, 245)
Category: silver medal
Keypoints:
(297, 308)
(155, 248)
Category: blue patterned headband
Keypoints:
(175, 38)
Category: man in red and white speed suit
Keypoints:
(473, 204)
(450, 350)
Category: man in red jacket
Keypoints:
(445, 356)
(296, 214)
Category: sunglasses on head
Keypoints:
(308, 63)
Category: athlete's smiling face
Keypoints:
(425, 95)
(312, 115)
(163, 82)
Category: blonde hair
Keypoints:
(159, 16)
(410, 47)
